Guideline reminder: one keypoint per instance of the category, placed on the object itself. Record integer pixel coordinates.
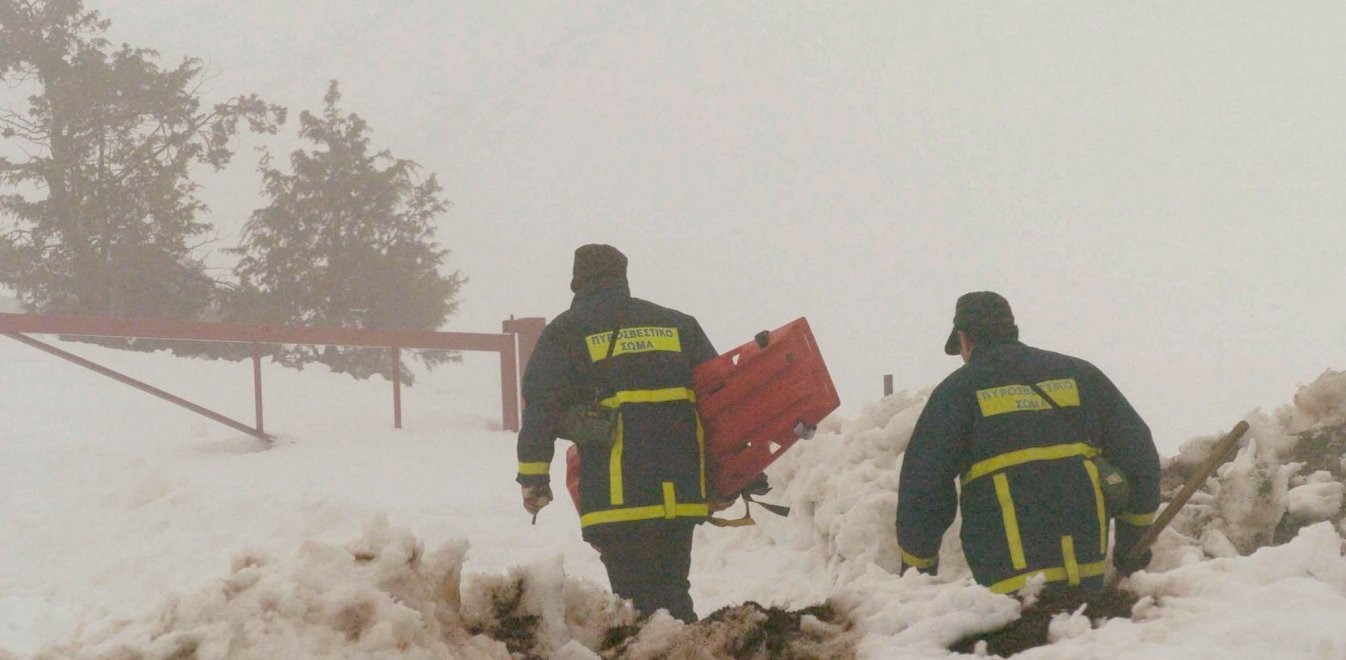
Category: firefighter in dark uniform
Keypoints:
(640, 497)
(1031, 495)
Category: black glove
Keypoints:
(1127, 566)
(535, 497)
(1127, 536)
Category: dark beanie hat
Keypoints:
(980, 310)
(597, 261)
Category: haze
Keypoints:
(1156, 187)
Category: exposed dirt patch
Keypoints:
(1321, 449)
(752, 632)
(518, 631)
(616, 637)
(1030, 629)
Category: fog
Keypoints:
(1156, 187)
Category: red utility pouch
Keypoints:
(573, 474)
(757, 400)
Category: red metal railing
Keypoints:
(514, 345)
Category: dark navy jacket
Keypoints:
(1030, 495)
(656, 468)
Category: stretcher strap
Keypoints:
(746, 519)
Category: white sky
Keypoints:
(1156, 187)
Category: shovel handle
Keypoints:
(1217, 456)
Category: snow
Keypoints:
(1318, 498)
(136, 529)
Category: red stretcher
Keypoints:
(755, 402)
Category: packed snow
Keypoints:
(135, 529)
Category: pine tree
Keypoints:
(348, 240)
(103, 211)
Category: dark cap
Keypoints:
(979, 310)
(597, 261)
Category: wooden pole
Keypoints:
(1217, 457)
(397, 387)
(1218, 454)
(257, 383)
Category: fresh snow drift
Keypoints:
(135, 529)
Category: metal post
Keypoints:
(257, 383)
(525, 333)
(140, 385)
(397, 387)
(887, 384)
(526, 330)
(514, 348)
(509, 388)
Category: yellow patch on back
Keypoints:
(1017, 398)
(634, 340)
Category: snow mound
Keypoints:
(381, 595)
(384, 596)
(1263, 529)
(1289, 473)
(1322, 402)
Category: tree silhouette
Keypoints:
(103, 212)
(348, 240)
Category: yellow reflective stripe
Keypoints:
(1137, 519)
(1013, 458)
(1101, 505)
(1068, 556)
(670, 501)
(643, 513)
(1017, 398)
(1055, 574)
(534, 468)
(1011, 519)
(914, 561)
(650, 396)
(633, 340)
(615, 494)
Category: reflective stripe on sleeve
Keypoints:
(1137, 519)
(914, 561)
(532, 469)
